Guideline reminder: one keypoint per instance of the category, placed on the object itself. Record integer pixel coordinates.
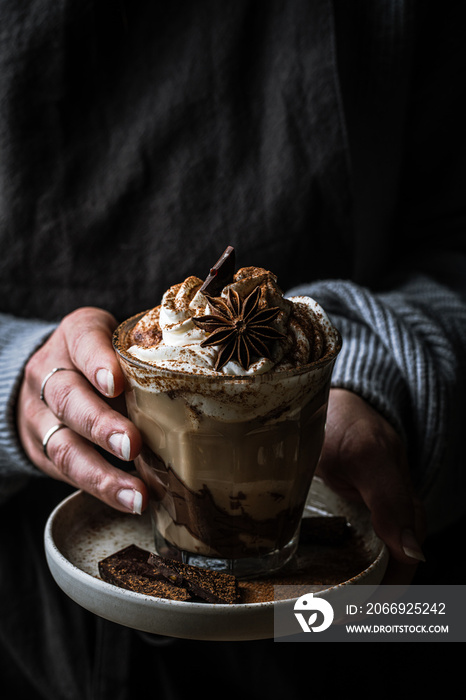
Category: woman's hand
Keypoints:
(81, 399)
(364, 459)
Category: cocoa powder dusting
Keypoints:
(146, 333)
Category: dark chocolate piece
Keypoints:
(212, 586)
(139, 570)
(134, 560)
(323, 529)
(221, 273)
(129, 568)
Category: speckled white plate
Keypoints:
(82, 530)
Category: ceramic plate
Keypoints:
(82, 530)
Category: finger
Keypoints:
(364, 459)
(395, 513)
(72, 459)
(88, 335)
(74, 402)
(402, 573)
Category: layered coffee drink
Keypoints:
(228, 382)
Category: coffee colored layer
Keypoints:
(207, 522)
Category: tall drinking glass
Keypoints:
(228, 460)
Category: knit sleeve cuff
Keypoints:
(19, 339)
(368, 363)
(366, 367)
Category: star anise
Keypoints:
(239, 327)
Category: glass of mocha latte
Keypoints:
(228, 383)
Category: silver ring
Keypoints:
(49, 434)
(47, 377)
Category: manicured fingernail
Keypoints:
(120, 444)
(130, 499)
(106, 382)
(411, 547)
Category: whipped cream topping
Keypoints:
(167, 336)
